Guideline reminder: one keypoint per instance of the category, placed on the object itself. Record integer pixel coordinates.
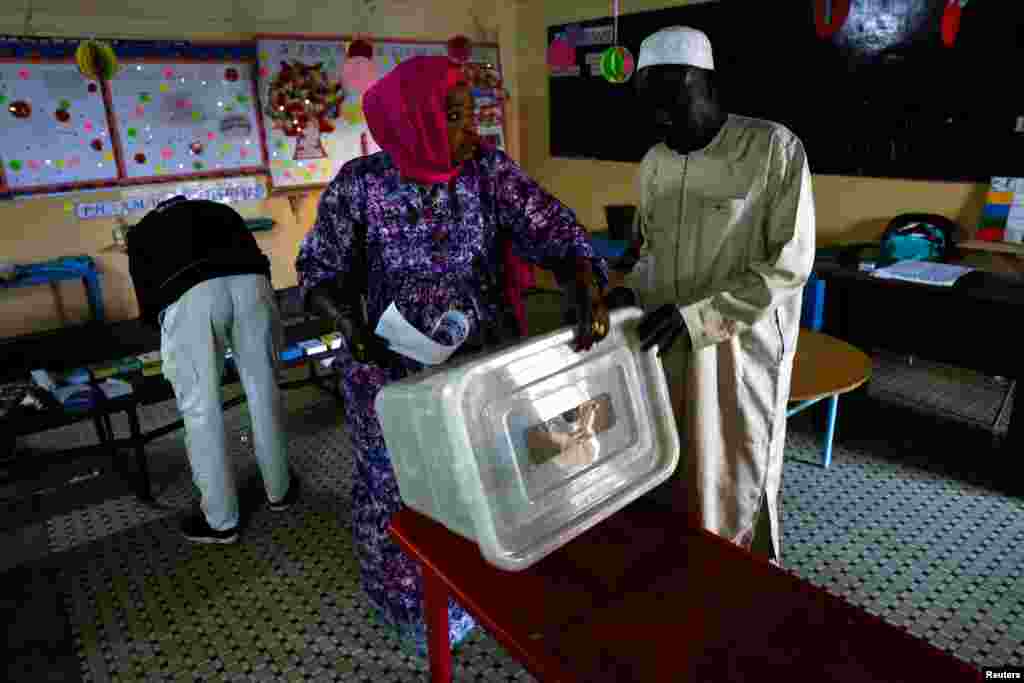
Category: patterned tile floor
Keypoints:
(911, 522)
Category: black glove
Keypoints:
(346, 313)
(629, 258)
(660, 328)
(364, 345)
(620, 297)
(587, 309)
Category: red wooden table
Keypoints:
(640, 597)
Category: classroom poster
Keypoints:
(1003, 217)
(53, 128)
(311, 95)
(178, 119)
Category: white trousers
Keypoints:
(239, 312)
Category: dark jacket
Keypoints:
(175, 248)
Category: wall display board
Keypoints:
(54, 133)
(311, 95)
(177, 119)
(311, 100)
(169, 110)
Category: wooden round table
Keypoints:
(825, 367)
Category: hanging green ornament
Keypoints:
(617, 64)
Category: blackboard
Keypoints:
(884, 96)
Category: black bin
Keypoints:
(620, 221)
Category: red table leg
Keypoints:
(435, 607)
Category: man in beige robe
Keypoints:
(727, 221)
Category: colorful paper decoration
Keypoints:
(1002, 219)
(830, 16)
(303, 103)
(951, 17)
(96, 60)
(561, 55)
(617, 65)
(20, 109)
(616, 62)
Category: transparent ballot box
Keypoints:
(525, 448)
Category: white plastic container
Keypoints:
(525, 449)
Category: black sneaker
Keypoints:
(197, 530)
(289, 499)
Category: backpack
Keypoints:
(917, 237)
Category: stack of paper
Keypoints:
(923, 272)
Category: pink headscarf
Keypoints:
(407, 116)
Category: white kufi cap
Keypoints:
(676, 45)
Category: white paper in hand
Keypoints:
(410, 342)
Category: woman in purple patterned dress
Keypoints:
(422, 224)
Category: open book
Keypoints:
(923, 272)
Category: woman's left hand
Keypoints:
(588, 311)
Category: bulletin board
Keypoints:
(59, 131)
(919, 89)
(311, 154)
(55, 134)
(181, 119)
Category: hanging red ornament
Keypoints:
(459, 48)
(97, 145)
(360, 48)
(196, 148)
(951, 18)
(62, 115)
(829, 17)
(20, 109)
(140, 158)
(231, 74)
